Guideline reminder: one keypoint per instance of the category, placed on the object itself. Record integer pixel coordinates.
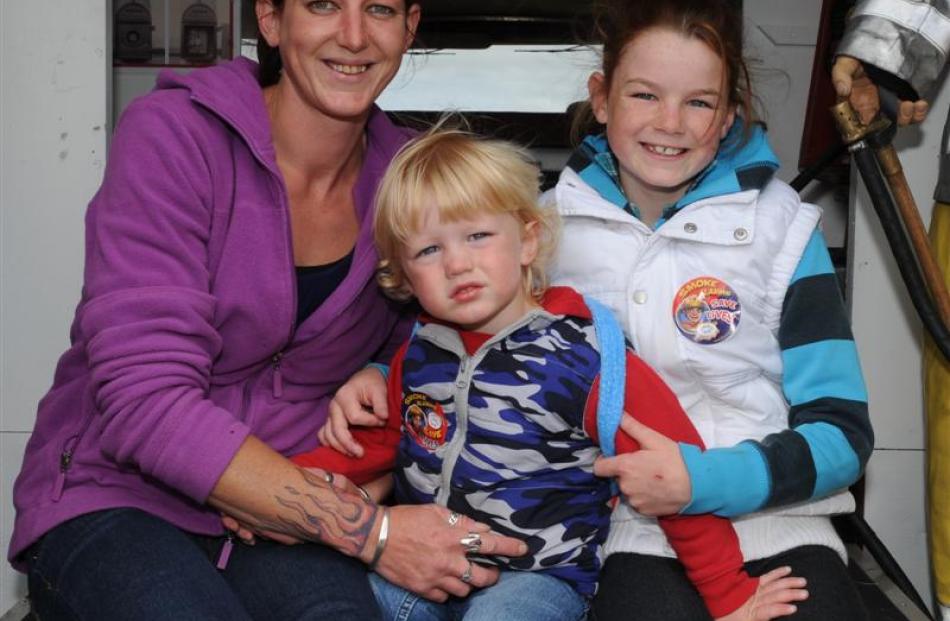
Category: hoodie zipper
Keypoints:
(65, 462)
(225, 554)
(277, 387)
(278, 379)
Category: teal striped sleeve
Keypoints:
(379, 366)
(829, 439)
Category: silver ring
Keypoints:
(328, 477)
(364, 493)
(472, 543)
(466, 576)
(454, 518)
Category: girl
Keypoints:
(723, 283)
(497, 404)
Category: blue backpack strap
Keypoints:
(613, 374)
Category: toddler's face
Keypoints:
(470, 272)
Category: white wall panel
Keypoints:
(53, 87)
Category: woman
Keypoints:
(197, 361)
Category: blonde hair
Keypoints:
(459, 174)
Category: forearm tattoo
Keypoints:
(317, 511)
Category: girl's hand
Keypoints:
(361, 401)
(654, 479)
(777, 590)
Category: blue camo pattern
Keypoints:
(524, 462)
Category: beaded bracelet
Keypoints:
(382, 539)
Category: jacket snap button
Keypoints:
(740, 234)
(640, 296)
(690, 227)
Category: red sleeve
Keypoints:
(379, 443)
(649, 400)
(706, 545)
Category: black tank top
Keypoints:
(315, 283)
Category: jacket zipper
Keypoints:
(277, 388)
(65, 462)
(462, 384)
(278, 379)
(225, 554)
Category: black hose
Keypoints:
(900, 247)
(805, 177)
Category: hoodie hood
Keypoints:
(738, 166)
(231, 91)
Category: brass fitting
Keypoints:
(850, 126)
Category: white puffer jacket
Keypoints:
(750, 240)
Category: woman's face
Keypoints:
(338, 55)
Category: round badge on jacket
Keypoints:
(425, 420)
(706, 310)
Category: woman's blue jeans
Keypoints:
(518, 595)
(123, 564)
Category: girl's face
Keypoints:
(338, 55)
(665, 114)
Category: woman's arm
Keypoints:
(267, 493)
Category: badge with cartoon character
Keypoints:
(706, 310)
(424, 421)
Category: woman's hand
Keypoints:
(654, 479)
(425, 553)
(360, 401)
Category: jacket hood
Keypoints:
(738, 166)
(231, 91)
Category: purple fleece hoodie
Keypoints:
(184, 341)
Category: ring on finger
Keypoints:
(454, 518)
(328, 477)
(466, 576)
(472, 543)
